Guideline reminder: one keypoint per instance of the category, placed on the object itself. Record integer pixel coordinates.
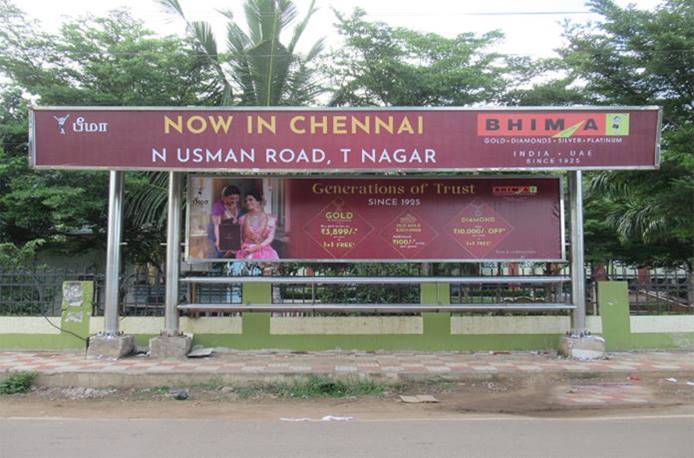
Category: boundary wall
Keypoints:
(431, 331)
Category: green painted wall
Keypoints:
(614, 312)
(616, 328)
(76, 308)
(436, 335)
(41, 342)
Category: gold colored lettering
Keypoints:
(177, 125)
(323, 124)
(263, 124)
(339, 124)
(202, 127)
(293, 126)
(363, 126)
(405, 126)
(382, 124)
(218, 123)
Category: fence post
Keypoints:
(437, 325)
(613, 298)
(76, 308)
(256, 325)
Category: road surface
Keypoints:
(632, 435)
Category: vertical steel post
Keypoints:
(173, 242)
(114, 231)
(578, 275)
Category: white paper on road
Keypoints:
(325, 418)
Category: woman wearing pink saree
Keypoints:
(257, 231)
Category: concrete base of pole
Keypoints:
(582, 347)
(114, 347)
(165, 346)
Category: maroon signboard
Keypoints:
(342, 140)
(447, 219)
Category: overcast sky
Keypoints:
(527, 31)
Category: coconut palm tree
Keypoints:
(258, 68)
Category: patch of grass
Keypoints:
(210, 385)
(17, 383)
(313, 387)
(427, 384)
(161, 389)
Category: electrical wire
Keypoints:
(62, 329)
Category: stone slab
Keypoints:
(582, 347)
(170, 346)
(112, 347)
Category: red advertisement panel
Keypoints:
(333, 140)
(376, 219)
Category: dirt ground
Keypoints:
(530, 396)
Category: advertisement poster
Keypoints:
(374, 219)
(274, 140)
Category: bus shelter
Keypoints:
(350, 185)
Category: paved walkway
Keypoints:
(388, 364)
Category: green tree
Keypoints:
(258, 68)
(111, 60)
(384, 65)
(634, 57)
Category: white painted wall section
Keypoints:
(29, 325)
(665, 323)
(347, 325)
(155, 324)
(510, 324)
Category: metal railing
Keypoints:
(33, 292)
(320, 302)
(331, 289)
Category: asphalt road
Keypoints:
(633, 436)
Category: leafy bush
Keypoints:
(19, 382)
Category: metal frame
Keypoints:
(116, 210)
(173, 237)
(32, 146)
(378, 308)
(32, 140)
(377, 280)
(578, 275)
(114, 232)
(562, 223)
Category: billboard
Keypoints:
(374, 219)
(281, 140)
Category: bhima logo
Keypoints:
(61, 120)
(514, 190)
(556, 125)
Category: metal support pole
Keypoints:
(173, 242)
(115, 229)
(578, 275)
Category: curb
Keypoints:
(152, 380)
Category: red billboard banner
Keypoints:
(344, 140)
(374, 219)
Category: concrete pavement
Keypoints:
(73, 369)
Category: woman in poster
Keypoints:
(257, 231)
(226, 213)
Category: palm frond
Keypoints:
(147, 204)
(172, 6)
(301, 27)
(203, 34)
